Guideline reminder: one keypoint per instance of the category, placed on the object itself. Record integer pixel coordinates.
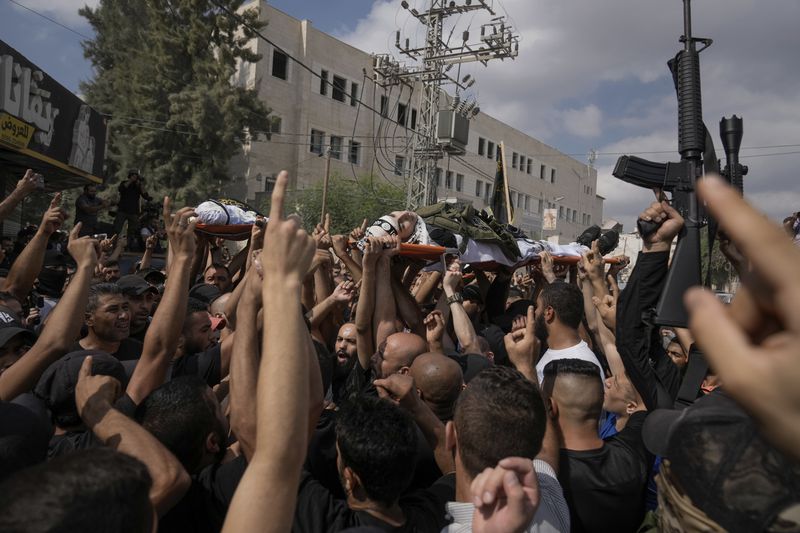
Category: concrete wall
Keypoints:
(301, 108)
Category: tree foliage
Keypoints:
(722, 273)
(349, 202)
(163, 71)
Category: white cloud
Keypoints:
(64, 11)
(584, 122)
(582, 55)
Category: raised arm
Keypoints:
(27, 266)
(400, 389)
(266, 496)
(93, 397)
(161, 339)
(244, 366)
(465, 331)
(339, 243)
(342, 295)
(365, 341)
(63, 325)
(385, 319)
(24, 187)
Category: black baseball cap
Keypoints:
(152, 275)
(133, 285)
(10, 327)
(472, 293)
(718, 459)
(205, 292)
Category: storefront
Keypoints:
(45, 127)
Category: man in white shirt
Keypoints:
(559, 312)
(501, 415)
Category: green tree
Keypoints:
(349, 202)
(164, 72)
(722, 273)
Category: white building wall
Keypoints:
(301, 108)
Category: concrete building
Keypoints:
(311, 116)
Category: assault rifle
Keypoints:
(697, 151)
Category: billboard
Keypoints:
(549, 219)
(41, 119)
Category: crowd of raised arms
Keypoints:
(308, 384)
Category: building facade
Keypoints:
(369, 130)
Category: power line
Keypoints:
(76, 32)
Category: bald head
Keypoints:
(217, 307)
(439, 380)
(576, 388)
(397, 353)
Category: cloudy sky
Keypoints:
(590, 75)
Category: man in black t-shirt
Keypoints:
(140, 296)
(108, 321)
(604, 481)
(129, 207)
(86, 208)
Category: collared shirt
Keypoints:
(552, 515)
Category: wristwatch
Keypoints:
(456, 298)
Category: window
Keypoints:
(478, 188)
(520, 200)
(552, 175)
(522, 163)
(280, 64)
(353, 94)
(384, 106)
(514, 159)
(488, 192)
(459, 182)
(402, 114)
(540, 209)
(323, 82)
(574, 213)
(438, 177)
(489, 149)
(448, 179)
(588, 220)
(561, 211)
(481, 146)
(568, 210)
(413, 119)
(317, 141)
(530, 166)
(275, 124)
(542, 171)
(339, 85)
(336, 147)
(354, 153)
(527, 204)
(497, 153)
(513, 197)
(399, 165)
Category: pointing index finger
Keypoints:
(86, 368)
(278, 196)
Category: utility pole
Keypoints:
(325, 186)
(434, 61)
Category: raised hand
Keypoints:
(54, 216)
(505, 497)
(434, 329)
(399, 389)
(670, 222)
(94, 392)
(372, 251)
(344, 292)
(521, 346)
(180, 229)
(339, 244)
(358, 233)
(453, 278)
(760, 372)
(592, 262)
(27, 184)
(257, 234)
(151, 242)
(288, 249)
(546, 264)
(84, 250)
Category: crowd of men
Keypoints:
(320, 383)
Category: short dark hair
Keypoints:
(217, 266)
(514, 292)
(575, 367)
(110, 262)
(89, 490)
(180, 414)
(378, 441)
(101, 289)
(591, 406)
(567, 302)
(498, 401)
